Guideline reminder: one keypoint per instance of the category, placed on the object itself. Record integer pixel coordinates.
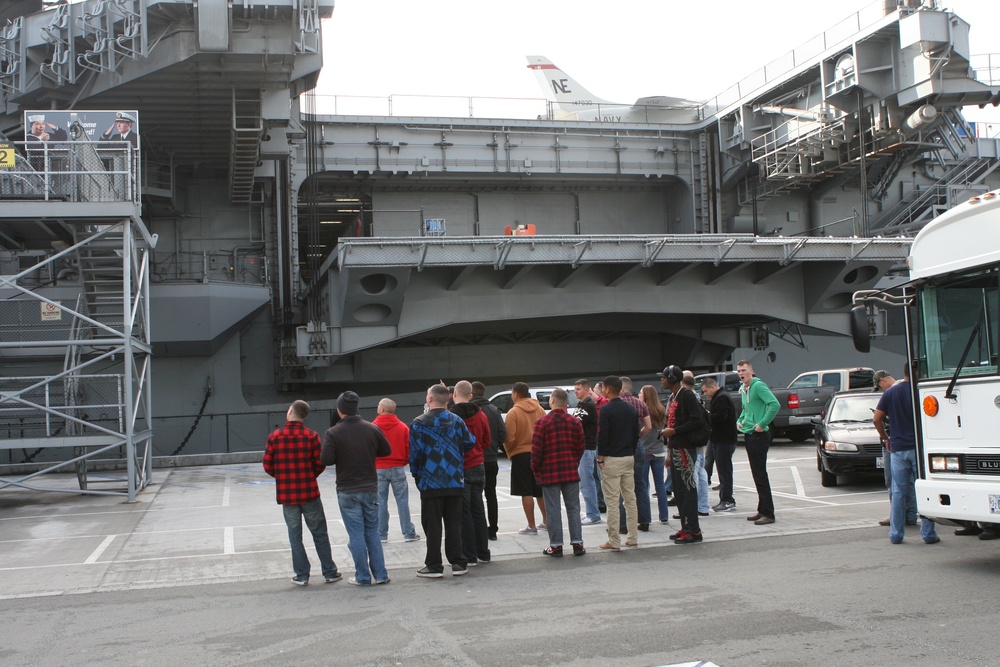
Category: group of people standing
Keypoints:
(446, 450)
(604, 451)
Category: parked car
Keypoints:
(846, 439)
(806, 395)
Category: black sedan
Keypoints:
(846, 439)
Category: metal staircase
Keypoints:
(920, 206)
(247, 128)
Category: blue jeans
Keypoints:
(396, 478)
(641, 470)
(657, 465)
(360, 514)
(887, 470)
(702, 476)
(316, 523)
(588, 484)
(904, 497)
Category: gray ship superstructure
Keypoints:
(253, 252)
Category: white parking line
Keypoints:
(799, 489)
(225, 496)
(92, 558)
(229, 541)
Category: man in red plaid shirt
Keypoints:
(291, 457)
(556, 449)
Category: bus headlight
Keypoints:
(831, 446)
(943, 463)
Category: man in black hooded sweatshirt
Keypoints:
(475, 540)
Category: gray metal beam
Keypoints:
(500, 252)
(570, 275)
(460, 278)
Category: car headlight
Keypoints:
(832, 446)
(944, 463)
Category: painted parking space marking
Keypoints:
(92, 558)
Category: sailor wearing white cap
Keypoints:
(122, 129)
(40, 130)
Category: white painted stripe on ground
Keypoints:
(799, 489)
(92, 558)
(229, 541)
(225, 496)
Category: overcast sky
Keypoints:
(619, 50)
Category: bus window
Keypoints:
(950, 311)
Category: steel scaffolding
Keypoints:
(78, 311)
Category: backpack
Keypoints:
(700, 437)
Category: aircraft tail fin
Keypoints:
(560, 87)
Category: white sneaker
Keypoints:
(587, 521)
(528, 530)
(543, 526)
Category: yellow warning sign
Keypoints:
(6, 156)
(51, 311)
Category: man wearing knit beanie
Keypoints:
(352, 445)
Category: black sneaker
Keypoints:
(333, 578)
(300, 582)
(578, 550)
(429, 573)
(458, 570)
(644, 527)
(689, 538)
(553, 551)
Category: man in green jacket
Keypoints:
(759, 408)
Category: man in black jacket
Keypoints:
(353, 445)
(722, 415)
(684, 419)
(498, 433)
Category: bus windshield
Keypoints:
(950, 308)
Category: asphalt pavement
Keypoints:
(197, 572)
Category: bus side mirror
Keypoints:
(859, 329)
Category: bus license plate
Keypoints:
(879, 462)
(994, 503)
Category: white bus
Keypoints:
(952, 311)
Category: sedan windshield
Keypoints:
(854, 408)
